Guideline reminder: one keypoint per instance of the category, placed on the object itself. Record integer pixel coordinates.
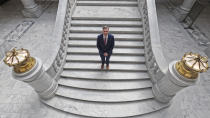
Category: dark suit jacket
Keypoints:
(109, 45)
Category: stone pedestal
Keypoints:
(31, 9)
(182, 11)
(39, 80)
(170, 84)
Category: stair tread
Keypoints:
(111, 1)
(103, 75)
(112, 30)
(105, 96)
(114, 58)
(106, 0)
(101, 110)
(138, 44)
(105, 84)
(97, 66)
(106, 12)
(93, 36)
(94, 50)
(105, 3)
(108, 23)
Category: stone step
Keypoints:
(106, 0)
(113, 30)
(101, 23)
(105, 96)
(113, 67)
(118, 44)
(93, 36)
(101, 110)
(116, 51)
(108, 3)
(113, 59)
(105, 84)
(106, 13)
(106, 18)
(104, 75)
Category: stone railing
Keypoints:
(60, 37)
(155, 61)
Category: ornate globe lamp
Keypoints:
(191, 65)
(20, 60)
(30, 70)
(180, 74)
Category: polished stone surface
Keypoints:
(105, 84)
(103, 22)
(105, 3)
(105, 96)
(116, 51)
(17, 100)
(102, 75)
(107, 12)
(93, 36)
(121, 30)
(118, 44)
(114, 58)
(104, 110)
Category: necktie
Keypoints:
(105, 40)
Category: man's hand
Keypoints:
(105, 54)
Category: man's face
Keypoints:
(105, 31)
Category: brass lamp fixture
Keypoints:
(191, 65)
(20, 59)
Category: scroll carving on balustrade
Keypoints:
(156, 69)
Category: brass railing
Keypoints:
(155, 60)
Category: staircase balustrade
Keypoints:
(61, 34)
(155, 60)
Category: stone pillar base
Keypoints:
(159, 96)
(182, 11)
(42, 83)
(170, 84)
(180, 14)
(34, 12)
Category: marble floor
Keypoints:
(18, 100)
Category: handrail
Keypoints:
(155, 60)
(60, 38)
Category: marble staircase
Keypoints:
(86, 91)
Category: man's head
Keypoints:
(105, 30)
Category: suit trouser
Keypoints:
(105, 59)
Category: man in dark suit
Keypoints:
(105, 45)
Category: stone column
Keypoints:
(182, 10)
(38, 79)
(31, 9)
(180, 74)
(30, 70)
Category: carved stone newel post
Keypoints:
(180, 74)
(30, 70)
